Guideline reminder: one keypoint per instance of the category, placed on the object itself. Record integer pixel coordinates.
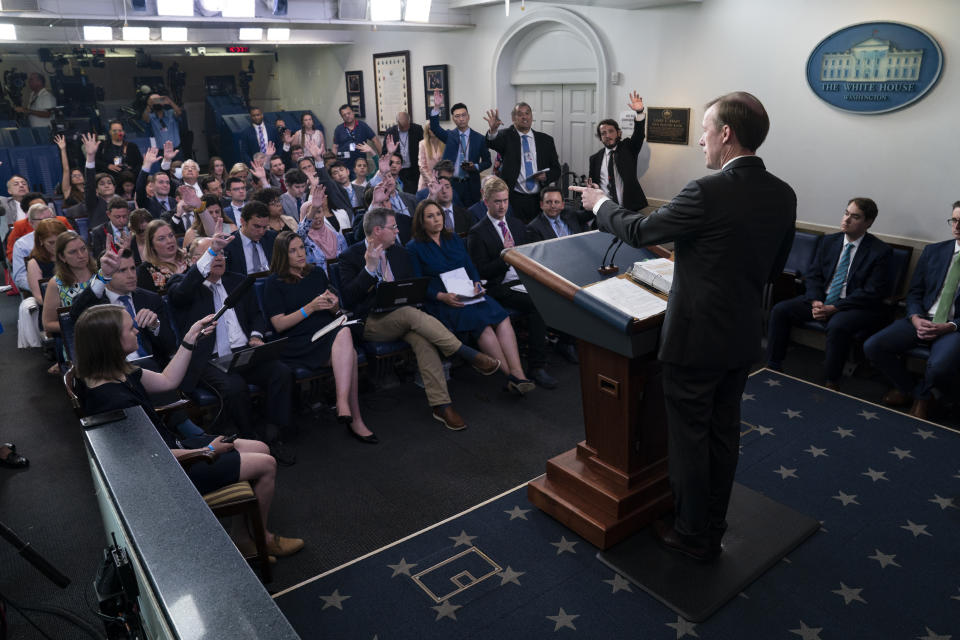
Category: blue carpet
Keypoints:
(885, 564)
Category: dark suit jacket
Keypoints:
(477, 151)
(868, 278)
(359, 287)
(95, 205)
(236, 259)
(484, 245)
(191, 300)
(732, 232)
(424, 193)
(928, 278)
(150, 203)
(462, 220)
(161, 346)
(541, 229)
(625, 157)
(510, 146)
(227, 208)
(414, 136)
(249, 144)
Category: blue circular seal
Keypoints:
(874, 67)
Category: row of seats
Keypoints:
(39, 164)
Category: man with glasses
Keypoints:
(379, 258)
(933, 306)
(846, 284)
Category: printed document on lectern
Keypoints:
(627, 296)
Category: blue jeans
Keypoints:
(885, 348)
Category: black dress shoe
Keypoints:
(14, 460)
(690, 546)
(345, 419)
(543, 379)
(370, 439)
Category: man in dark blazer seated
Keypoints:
(161, 202)
(846, 283)
(197, 293)
(116, 283)
(556, 221)
(732, 232)
(407, 136)
(257, 137)
(253, 248)
(466, 149)
(486, 240)
(619, 181)
(377, 258)
(118, 215)
(443, 169)
(456, 218)
(529, 159)
(933, 312)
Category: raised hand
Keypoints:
(287, 137)
(312, 148)
(220, 239)
(434, 188)
(188, 196)
(363, 146)
(384, 164)
(122, 242)
(317, 195)
(150, 157)
(493, 120)
(169, 153)
(256, 168)
(110, 261)
(380, 197)
(391, 145)
(636, 102)
(271, 148)
(90, 145)
(60, 141)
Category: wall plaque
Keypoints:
(392, 74)
(669, 125)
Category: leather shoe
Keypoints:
(281, 546)
(520, 386)
(690, 546)
(13, 459)
(543, 379)
(450, 418)
(895, 398)
(370, 439)
(484, 364)
(920, 408)
(568, 352)
(248, 550)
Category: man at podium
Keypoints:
(732, 231)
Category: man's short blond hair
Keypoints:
(492, 186)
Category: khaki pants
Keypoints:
(425, 334)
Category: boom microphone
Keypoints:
(234, 296)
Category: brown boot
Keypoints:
(895, 398)
(450, 418)
(920, 408)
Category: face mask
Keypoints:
(178, 173)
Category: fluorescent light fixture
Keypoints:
(278, 34)
(8, 32)
(385, 10)
(174, 7)
(173, 34)
(97, 33)
(238, 9)
(136, 33)
(251, 33)
(417, 11)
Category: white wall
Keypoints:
(684, 56)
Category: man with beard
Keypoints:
(614, 168)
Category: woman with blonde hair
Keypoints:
(164, 258)
(431, 151)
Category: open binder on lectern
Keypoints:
(619, 301)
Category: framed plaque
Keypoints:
(669, 125)
(355, 92)
(392, 74)
(435, 77)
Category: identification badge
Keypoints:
(353, 146)
(116, 160)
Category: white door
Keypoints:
(569, 114)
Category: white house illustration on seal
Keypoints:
(872, 60)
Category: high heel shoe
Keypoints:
(345, 419)
(370, 439)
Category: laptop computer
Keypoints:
(246, 358)
(398, 293)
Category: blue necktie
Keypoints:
(141, 352)
(462, 155)
(559, 227)
(528, 161)
(223, 332)
(263, 143)
(840, 276)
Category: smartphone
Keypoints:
(103, 418)
(231, 438)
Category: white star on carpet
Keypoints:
(849, 594)
(945, 503)
(844, 433)
(517, 512)
(334, 600)
(868, 415)
(402, 567)
(846, 498)
(807, 633)
(619, 583)
(746, 396)
(563, 619)
(764, 431)
(884, 559)
(816, 452)
(900, 453)
(786, 473)
(509, 575)
(446, 610)
(916, 529)
(564, 545)
(875, 475)
(923, 433)
(931, 635)
(683, 627)
(463, 539)
(790, 413)
(771, 382)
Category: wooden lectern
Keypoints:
(614, 482)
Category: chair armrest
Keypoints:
(173, 406)
(187, 460)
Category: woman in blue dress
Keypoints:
(435, 250)
(298, 302)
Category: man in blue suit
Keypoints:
(466, 149)
(845, 286)
(253, 248)
(933, 307)
(257, 137)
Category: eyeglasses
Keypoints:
(953, 221)
(393, 227)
